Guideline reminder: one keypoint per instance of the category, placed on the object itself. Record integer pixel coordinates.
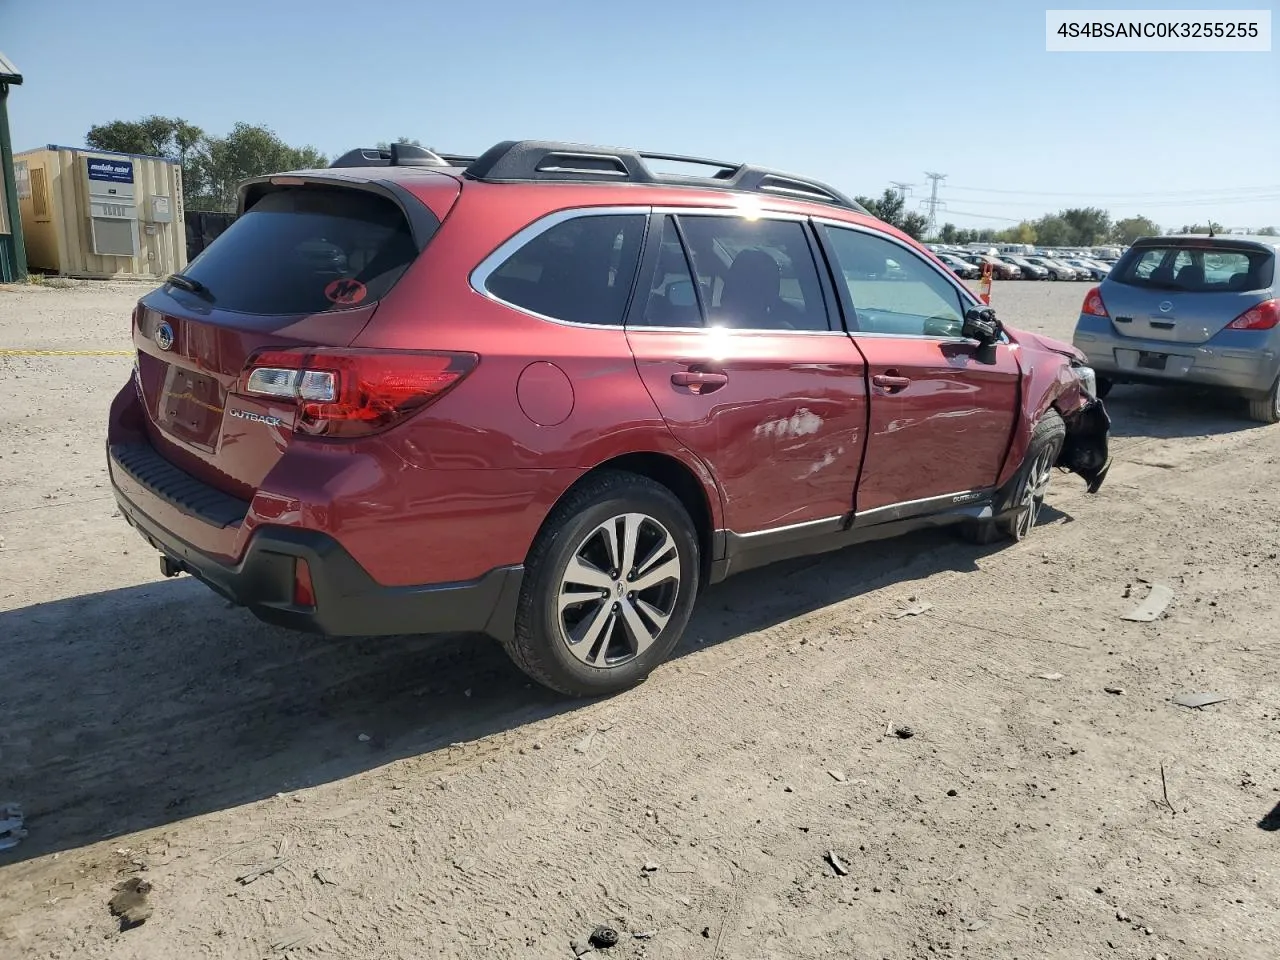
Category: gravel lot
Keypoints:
(426, 801)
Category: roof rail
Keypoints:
(518, 161)
(399, 155)
(457, 160)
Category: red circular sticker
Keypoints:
(346, 292)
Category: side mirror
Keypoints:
(980, 324)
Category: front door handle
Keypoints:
(891, 382)
(700, 381)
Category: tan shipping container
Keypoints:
(98, 215)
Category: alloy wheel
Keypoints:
(1034, 488)
(618, 590)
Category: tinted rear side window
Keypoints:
(580, 270)
(756, 274)
(1208, 269)
(307, 250)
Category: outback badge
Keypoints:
(256, 417)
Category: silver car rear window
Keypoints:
(1196, 269)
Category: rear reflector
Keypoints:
(1264, 316)
(1093, 304)
(304, 594)
(348, 393)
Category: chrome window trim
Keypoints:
(735, 331)
(745, 212)
(482, 271)
(479, 276)
(967, 297)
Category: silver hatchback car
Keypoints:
(1190, 309)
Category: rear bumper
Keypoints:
(348, 602)
(1238, 369)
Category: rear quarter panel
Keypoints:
(479, 470)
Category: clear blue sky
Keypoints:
(855, 92)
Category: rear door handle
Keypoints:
(700, 381)
(891, 382)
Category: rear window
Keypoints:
(1208, 269)
(307, 250)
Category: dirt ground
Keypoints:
(425, 801)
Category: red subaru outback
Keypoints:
(551, 392)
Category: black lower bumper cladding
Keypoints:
(348, 602)
(1085, 450)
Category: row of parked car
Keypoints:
(968, 265)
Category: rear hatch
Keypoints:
(305, 265)
(1186, 291)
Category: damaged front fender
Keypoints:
(1085, 451)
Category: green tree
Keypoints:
(153, 136)
(386, 144)
(247, 151)
(887, 207)
(1211, 227)
(212, 167)
(1268, 232)
(1086, 226)
(914, 225)
(1131, 228)
(891, 208)
(1025, 232)
(1053, 231)
(948, 233)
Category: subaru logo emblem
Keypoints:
(164, 336)
(1166, 306)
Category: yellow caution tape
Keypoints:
(65, 353)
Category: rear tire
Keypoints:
(1018, 506)
(608, 588)
(1103, 387)
(1267, 409)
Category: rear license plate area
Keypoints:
(1152, 361)
(191, 407)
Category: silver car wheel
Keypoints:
(618, 590)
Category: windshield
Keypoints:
(1199, 269)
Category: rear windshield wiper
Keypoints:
(189, 284)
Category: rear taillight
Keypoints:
(349, 393)
(1093, 304)
(1264, 316)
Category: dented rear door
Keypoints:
(777, 415)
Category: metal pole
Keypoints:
(933, 201)
(11, 190)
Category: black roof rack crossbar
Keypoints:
(519, 161)
(399, 155)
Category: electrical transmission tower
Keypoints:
(933, 203)
(903, 189)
